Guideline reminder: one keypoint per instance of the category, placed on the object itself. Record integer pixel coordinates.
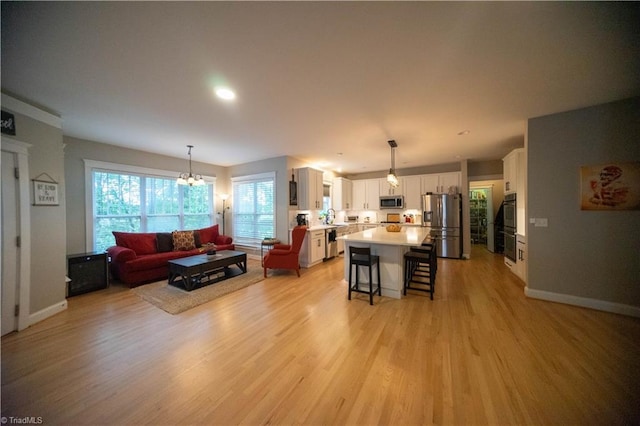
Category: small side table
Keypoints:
(267, 244)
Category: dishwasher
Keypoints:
(331, 244)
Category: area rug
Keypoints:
(174, 300)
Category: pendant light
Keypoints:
(391, 177)
(189, 178)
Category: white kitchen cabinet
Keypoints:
(366, 194)
(511, 164)
(342, 196)
(312, 250)
(386, 189)
(521, 256)
(342, 231)
(451, 182)
(373, 194)
(441, 183)
(412, 194)
(515, 182)
(310, 191)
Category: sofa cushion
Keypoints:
(164, 241)
(209, 235)
(157, 260)
(183, 240)
(140, 242)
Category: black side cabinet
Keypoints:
(87, 272)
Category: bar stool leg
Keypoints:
(350, 271)
(379, 282)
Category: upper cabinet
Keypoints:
(441, 183)
(310, 191)
(512, 164)
(366, 194)
(342, 194)
(386, 189)
(515, 182)
(412, 192)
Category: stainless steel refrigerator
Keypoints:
(442, 213)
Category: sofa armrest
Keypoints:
(278, 252)
(282, 246)
(121, 254)
(223, 240)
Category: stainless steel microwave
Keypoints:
(391, 202)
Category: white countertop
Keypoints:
(408, 236)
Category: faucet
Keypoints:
(331, 216)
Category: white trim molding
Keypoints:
(45, 313)
(21, 149)
(31, 111)
(584, 302)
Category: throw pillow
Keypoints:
(140, 242)
(165, 241)
(209, 235)
(183, 240)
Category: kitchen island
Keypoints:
(391, 247)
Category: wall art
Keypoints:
(611, 186)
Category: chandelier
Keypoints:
(189, 178)
(391, 177)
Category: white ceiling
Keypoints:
(325, 82)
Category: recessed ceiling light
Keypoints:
(225, 93)
(464, 132)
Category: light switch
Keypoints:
(541, 222)
(532, 220)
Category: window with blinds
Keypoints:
(253, 209)
(133, 200)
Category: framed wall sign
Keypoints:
(45, 193)
(8, 123)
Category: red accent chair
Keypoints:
(285, 256)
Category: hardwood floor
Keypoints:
(294, 350)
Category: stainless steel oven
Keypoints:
(509, 209)
(510, 244)
(510, 226)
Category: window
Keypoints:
(253, 208)
(326, 197)
(142, 200)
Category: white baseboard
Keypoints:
(600, 305)
(47, 312)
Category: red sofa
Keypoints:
(139, 258)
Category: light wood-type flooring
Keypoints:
(294, 350)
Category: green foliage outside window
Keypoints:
(134, 203)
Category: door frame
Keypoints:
(21, 150)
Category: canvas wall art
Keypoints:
(613, 186)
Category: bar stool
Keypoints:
(361, 256)
(420, 266)
(432, 266)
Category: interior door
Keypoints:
(10, 226)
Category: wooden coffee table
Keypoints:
(197, 271)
